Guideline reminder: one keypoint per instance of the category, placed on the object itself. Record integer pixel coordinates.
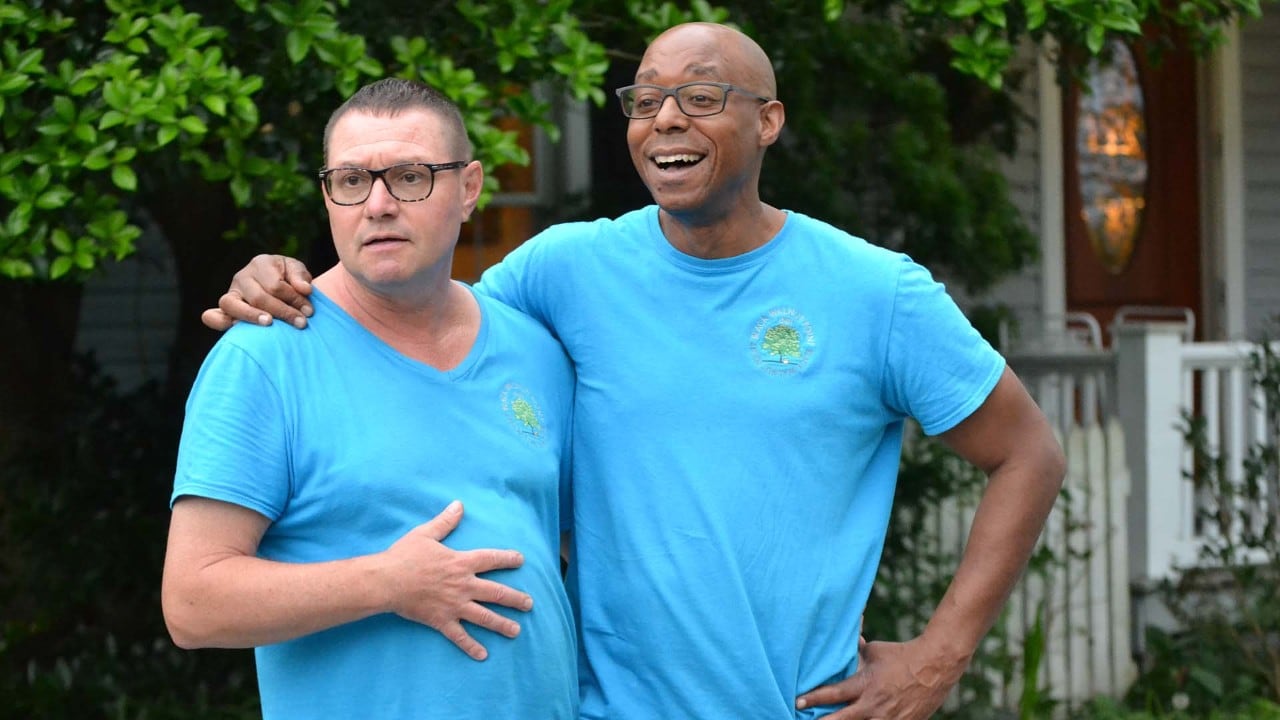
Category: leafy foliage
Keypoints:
(100, 108)
(82, 522)
(104, 106)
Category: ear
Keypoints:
(772, 117)
(472, 184)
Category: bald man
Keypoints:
(743, 378)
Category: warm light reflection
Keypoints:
(1111, 142)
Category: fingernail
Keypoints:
(264, 319)
(454, 506)
(308, 310)
(299, 322)
(800, 704)
(528, 604)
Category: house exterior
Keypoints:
(1208, 237)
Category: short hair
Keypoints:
(392, 96)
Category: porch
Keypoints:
(1128, 516)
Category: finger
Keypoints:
(277, 297)
(492, 559)
(496, 593)
(844, 692)
(439, 527)
(299, 277)
(234, 306)
(484, 617)
(456, 634)
(215, 319)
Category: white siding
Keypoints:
(1260, 71)
(128, 317)
(1021, 292)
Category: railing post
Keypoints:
(1149, 402)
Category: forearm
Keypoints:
(1003, 535)
(244, 601)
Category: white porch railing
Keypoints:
(1128, 514)
(1160, 377)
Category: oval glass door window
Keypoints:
(1112, 153)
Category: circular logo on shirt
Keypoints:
(524, 413)
(782, 341)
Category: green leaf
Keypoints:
(193, 125)
(217, 104)
(110, 119)
(53, 128)
(124, 178)
(84, 260)
(96, 161)
(16, 268)
(1094, 39)
(240, 190)
(61, 266)
(166, 134)
(61, 241)
(54, 198)
(296, 45)
(14, 83)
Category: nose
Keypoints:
(669, 114)
(380, 201)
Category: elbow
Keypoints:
(1055, 464)
(184, 633)
(184, 619)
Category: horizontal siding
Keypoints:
(1021, 292)
(1260, 60)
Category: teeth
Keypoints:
(669, 159)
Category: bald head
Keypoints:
(713, 50)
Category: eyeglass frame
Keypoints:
(674, 93)
(375, 175)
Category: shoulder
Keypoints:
(850, 258)
(514, 325)
(601, 233)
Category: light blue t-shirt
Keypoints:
(737, 432)
(345, 445)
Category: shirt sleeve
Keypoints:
(233, 445)
(939, 368)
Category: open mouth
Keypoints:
(377, 241)
(676, 161)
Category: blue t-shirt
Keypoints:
(345, 445)
(737, 431)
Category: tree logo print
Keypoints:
(524, 414)
(782, 341)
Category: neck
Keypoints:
(729, 235)
(436, 325)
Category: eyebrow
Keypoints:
(702, 71)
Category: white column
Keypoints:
(1148, 379)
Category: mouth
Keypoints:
(676, 161)
(382, 240)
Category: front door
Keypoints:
(1132, 188)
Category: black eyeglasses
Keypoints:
(695, 99)
(407, 182)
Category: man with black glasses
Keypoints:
(323, 477)
(743, 378)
